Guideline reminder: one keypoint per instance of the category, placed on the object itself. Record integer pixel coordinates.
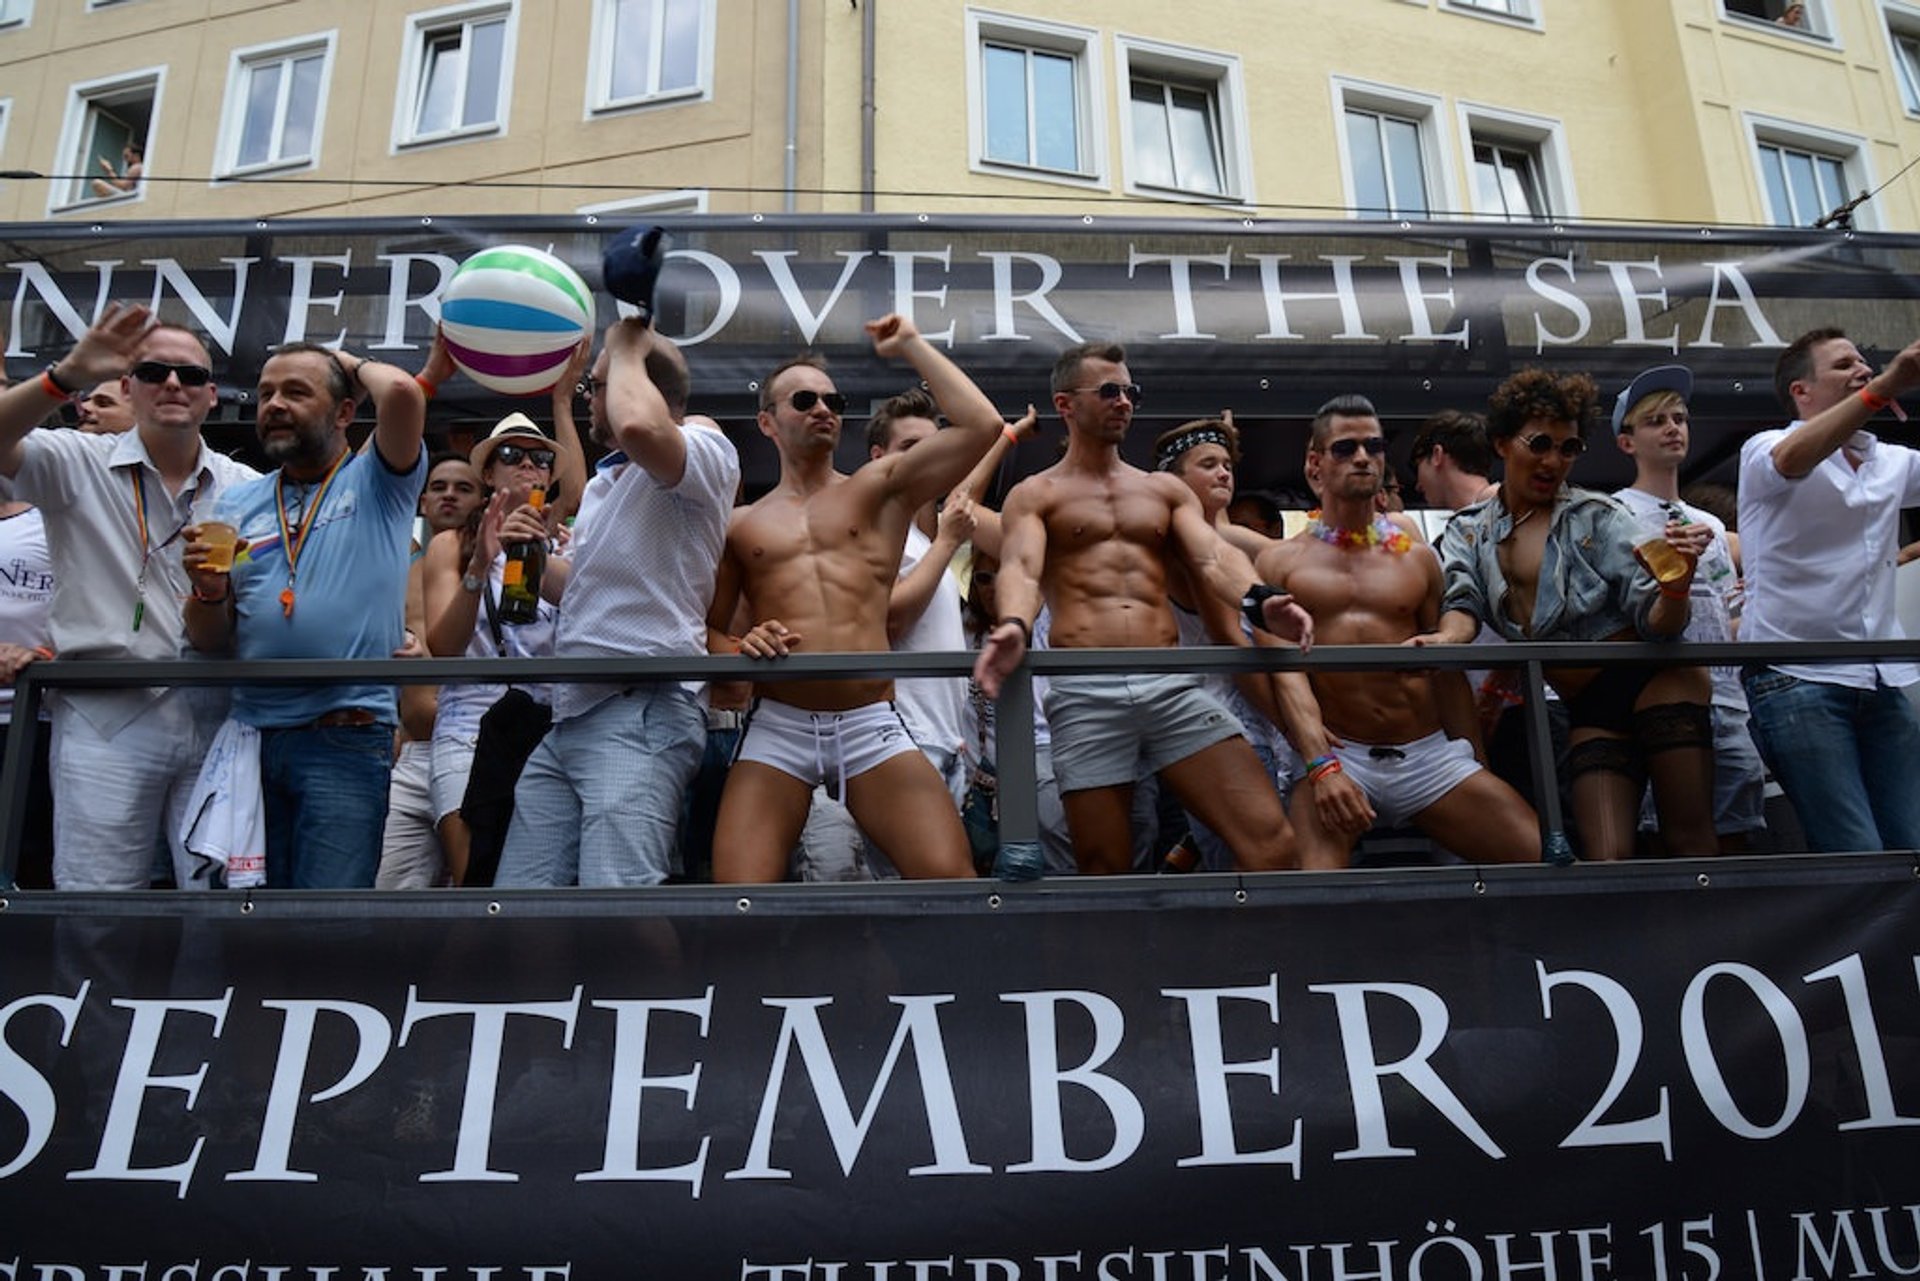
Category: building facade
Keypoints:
(1685, 111)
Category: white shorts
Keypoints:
(452, 762)
(823, 747)
(1405, 778)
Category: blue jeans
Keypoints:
(599, 801)
(325, 795)
(1844, 757)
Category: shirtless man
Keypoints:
(1398, 744)
(816, 561)
(1094, 534)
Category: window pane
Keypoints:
(303, 108)
(1906, 57)
(680, 46)
(439, 84)
(1800, 182)
(632, 49)
(1369, 165)
(1773, 173)
(1056, 133)
(263, 102)
(1489, 193)
(1196, 147)
(1152, 145)
(484, 61)
(1833, 184)
(1006, 92)
(1404, 167)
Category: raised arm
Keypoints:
(570, 458)
(937, 464)
(637, 413)
(914, 590)
(1803, 448)
(103, 352)
(987, 536)
(399, 408)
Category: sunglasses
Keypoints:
(1540, 445)
(803, 401)
(156, 372)
(1348, 446)
(1113, 391)
(590, 387)
(510, 455)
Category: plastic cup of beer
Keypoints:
(219, 538)
(1662, 561)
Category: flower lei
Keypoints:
(1381, 533)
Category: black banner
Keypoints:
(1269, 319)
(1684, 1071)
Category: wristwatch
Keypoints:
(472, 583)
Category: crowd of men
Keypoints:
(130, 538)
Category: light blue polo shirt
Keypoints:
(349, 595)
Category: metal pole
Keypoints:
(1555, 848)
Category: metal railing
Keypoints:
(1014, 754)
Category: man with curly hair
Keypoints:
(1544, 561)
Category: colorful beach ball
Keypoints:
(512, 316)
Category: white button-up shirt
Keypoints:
(1819, 553)
(84, 487)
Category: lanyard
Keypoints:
(147, 548)
(292, 542)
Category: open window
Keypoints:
(1798, 17)
(1807, 174)
(456, 73)
(103, 141)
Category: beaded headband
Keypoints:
(1171, 451)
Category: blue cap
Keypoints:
(1660, 378)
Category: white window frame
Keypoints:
(1544, 136)
(76, 193)
(15, 14)
(1856, 162)
(687, 200)
(6, 118)
(1082, 44)
(1901, 21)
(233, 118)
(600, 99)
(413, 66)
(1819, 27)
(1497, 11)
(1411, 104)
(1217, 74)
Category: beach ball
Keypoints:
(512, 316)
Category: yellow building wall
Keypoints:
(1650, 101)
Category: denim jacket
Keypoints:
(1590, 584)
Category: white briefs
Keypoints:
(823, 747)
(1405, 778)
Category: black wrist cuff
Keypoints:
(1026, 630)
(1250, 604)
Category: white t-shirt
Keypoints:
(1820, 551)
(933, 707)
(1715, 600)
(643, 559)
(26, 588)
